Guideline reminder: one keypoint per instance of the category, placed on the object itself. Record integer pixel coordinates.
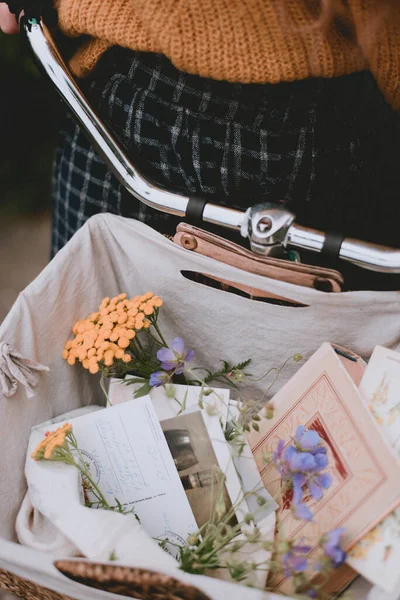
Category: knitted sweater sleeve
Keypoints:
(108, 23)
(378, 34)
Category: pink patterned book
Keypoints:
(323, 396)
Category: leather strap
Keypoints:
(208, 244)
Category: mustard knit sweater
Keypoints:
(248, 41)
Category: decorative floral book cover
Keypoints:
(323, 396)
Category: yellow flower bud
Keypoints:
(91, 352)
(126, 358)
(86, 363)
(71, 360)
(130, 334)
(104, 302)
(108, 358)
(123, 342)
(93, 368)
(65, 354)
(82, 354)
(122, 318)
(119, 353)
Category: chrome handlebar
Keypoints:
(268, 227)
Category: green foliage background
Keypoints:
(30, 117)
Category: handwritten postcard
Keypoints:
(323, 396)
(377, 555)
(130, 460)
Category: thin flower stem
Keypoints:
(158, 342)
(278, 370)
(98, 494)
(205, 385)
(138, 342)
(103, 387)
(85, 471)
(156, 327)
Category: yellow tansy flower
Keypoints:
(51, 442)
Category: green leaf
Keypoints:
(133, 380)
(243, 365)
(142, 391)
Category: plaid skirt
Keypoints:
(328, 148)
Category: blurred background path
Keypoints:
(24, 251)
(30, 117)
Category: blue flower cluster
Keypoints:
(301, 465)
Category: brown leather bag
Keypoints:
(208, 244)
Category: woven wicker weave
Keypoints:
(22, 588)
(134, 583)
(126, 581)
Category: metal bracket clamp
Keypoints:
(268, 228)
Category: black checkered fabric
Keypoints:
(328, 148)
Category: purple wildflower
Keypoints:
(331, 547)
(301, 466)
(317, 483)
(301, 511)
(308, 440)
(176, 357)
(279, 460)
(299, 461)
(294, 560)
(158, 378)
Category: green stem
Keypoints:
(83, 469)
(99, 495)
(138, 342)
(156, 327)
(158, 342)
(103, 387)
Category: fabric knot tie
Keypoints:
(15, 369)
